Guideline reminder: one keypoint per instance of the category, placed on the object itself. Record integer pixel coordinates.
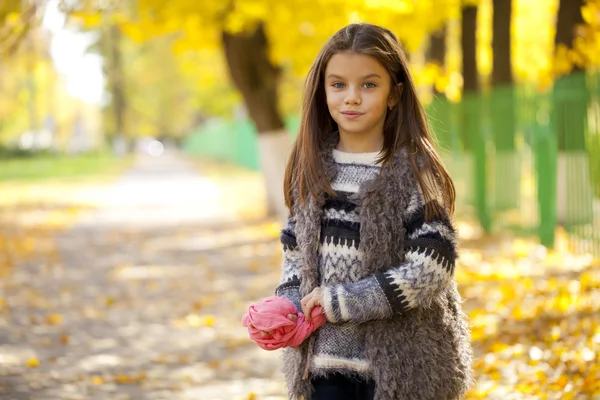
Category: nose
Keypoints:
(352, 97)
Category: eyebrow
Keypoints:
(365, 77)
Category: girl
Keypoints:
(369, 236)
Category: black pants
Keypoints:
(340, 387)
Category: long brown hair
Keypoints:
(405, 125)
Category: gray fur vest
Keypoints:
(423, 354)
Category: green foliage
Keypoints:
(27, 166)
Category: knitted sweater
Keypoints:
(349, 298)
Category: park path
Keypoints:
(143, 297)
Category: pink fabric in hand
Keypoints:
(271, 315)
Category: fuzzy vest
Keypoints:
(423, 354)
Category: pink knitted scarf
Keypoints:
(271, 315)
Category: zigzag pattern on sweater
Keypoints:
(339, 263)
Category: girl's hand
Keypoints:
(314, 298)
(291, 317)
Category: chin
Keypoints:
(350, 128)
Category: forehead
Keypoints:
(349, 64)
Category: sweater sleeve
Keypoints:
(428, 268)
(289, 283)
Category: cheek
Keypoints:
(333, 99)
(376, 101)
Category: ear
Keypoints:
(395, 96)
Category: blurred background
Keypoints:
(142, 148)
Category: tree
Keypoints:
(501, 43)
(469, 49)
(502, 109)
(436, 54)
(569, 23)
(473, 139)
(269, 38)
(116, 80)
(16, 19)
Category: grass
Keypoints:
(44, 167)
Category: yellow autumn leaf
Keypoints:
(33, 362)
(64, 339)
(208, 320)
(97, 380)
(195, 320)
(109, 301)
(53, 319)
(123, 379)
(272, 229)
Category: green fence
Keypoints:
(231, 141)
(528, 161)
(521, 160)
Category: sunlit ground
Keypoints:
(133, 286)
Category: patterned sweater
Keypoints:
(350, 299)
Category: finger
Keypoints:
(265, 334)
(292, 317)
(313, 303)
(304, 304)
(308, 308)
(305, 299)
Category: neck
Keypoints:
(360, 142)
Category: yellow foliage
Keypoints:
(12, 19)
(296, 29)
(134, 31)
(591, 13)
(90, 19)
(585, 51)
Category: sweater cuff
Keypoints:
(329, 294)
(356, 302)
(291, 291)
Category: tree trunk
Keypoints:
(34, 124)
(507, 172)
(257, 79)
(117, 88)
(570, 119)
(474, 142)
(436, 53)
(568, 18)
(501, 43)
(437, 47)
(255, 76)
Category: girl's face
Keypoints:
(357, 87)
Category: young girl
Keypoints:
(370, 237)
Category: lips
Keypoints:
(351, 114)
